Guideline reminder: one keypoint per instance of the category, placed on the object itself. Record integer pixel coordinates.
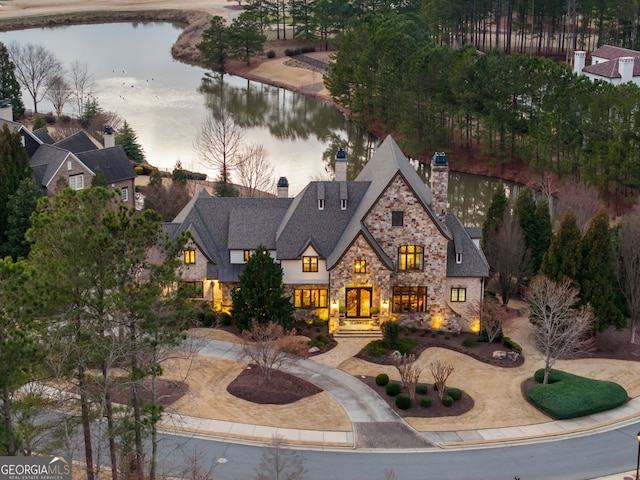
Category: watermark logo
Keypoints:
(34, 468)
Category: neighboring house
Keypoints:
(74, 160)
(355, 253)
(615, 65)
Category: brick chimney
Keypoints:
(341, 166)
(439, 183)
(109, 137)
(283, 187)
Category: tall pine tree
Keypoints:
(129, 141)
(260, 296)
(9, 86)
(535, 222)
(495, 214)
(563, 260)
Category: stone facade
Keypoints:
(474, 291)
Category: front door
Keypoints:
(358, 302)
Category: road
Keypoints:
(575, 458)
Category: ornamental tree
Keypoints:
(260, 295)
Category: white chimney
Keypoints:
(6, 111)
(283, 187)
(341, 166)
(578, 61)
(109, 137)
(625, 68)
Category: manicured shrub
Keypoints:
(421, 389)
(469, 342)
(320, 341)
(209, 319)
(393, 389)
(403, 402)
(454, 393)
(446, 337)
(433, 335)
(390, 334)
(426, 401)
(271, 54)
(447, 401)
(376, 348)
(382, 379)
(406, 344)
(224, 319)
(435, 387)
(507, 342)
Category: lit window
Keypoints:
(397, 219)
(190, 257)
(360, 266)
(409, 299)
(320, 204)
(125, 194)
(310, 298)
(247, 254)
(410, 257)
(76, 182)
(458, 294)
(192, 289)
(309, 264)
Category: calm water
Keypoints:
(166, 102)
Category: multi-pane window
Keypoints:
(397, 219)
(360, 266)
(125, 194)
(76, 182)
(310, 298)
(458, 294)
(190, 256)
(409, 299)
(309, 264)
(410, 257)
(193, 289)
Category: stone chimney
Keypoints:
(109, 137)
(341, 166)
(625, 68)
(6, 111)
(439, 183)
(578, 61)
(283, 187)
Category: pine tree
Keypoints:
(495, 214)
(563, 260)
(214, 46)
(260, 295)
(245, 38)
(9, 86)
(20, 207)
(14, 166)
(98, 180)
(129, 141)
(535, 222)
(597, 276)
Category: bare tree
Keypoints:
(441, 371)
(492, 317)
(165, 196)
(35, 67)
(59, 93)
(508, 256)
(412, 377)
(270, 347)
(402, 362)
(255, 171)
(219, 143)
(628, 268)
(279, 463)
(562, 328)
(82, 84)
(583, 199)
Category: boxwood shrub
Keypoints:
(469, 342)
(382, 379)
(421, 389)
(376, 348)
(570, 396)
(403, 402)
(507, 342)
(426, 401)
(447, 401)
(454, 393)
(393, 389)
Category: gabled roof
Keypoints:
(112, 161)
(387, 162)
(76, 143)
(474, 264)
(44, 137)
(611, 52)
(47, 160)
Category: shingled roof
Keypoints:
(474, 263)
(112, 161)
(47, 160)
(78, 142)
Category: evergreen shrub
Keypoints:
(393, 389)
(403, 402)
(382, 379)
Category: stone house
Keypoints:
(615, 65)
(355, 253)
(74, 160)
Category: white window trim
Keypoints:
(125, 194)
(77, 184)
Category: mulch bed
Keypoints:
(437, 409)
(614, 344)
(282, 388)
(121, 391)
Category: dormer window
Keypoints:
(321, 204)
(458, 258)
(397, 219)
(190, 256)
(343, 204)
(309, 264)
(360, 266)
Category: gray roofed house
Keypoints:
(353, 253)
(77, 142)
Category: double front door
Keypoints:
(358, 302)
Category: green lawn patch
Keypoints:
(570, 396)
